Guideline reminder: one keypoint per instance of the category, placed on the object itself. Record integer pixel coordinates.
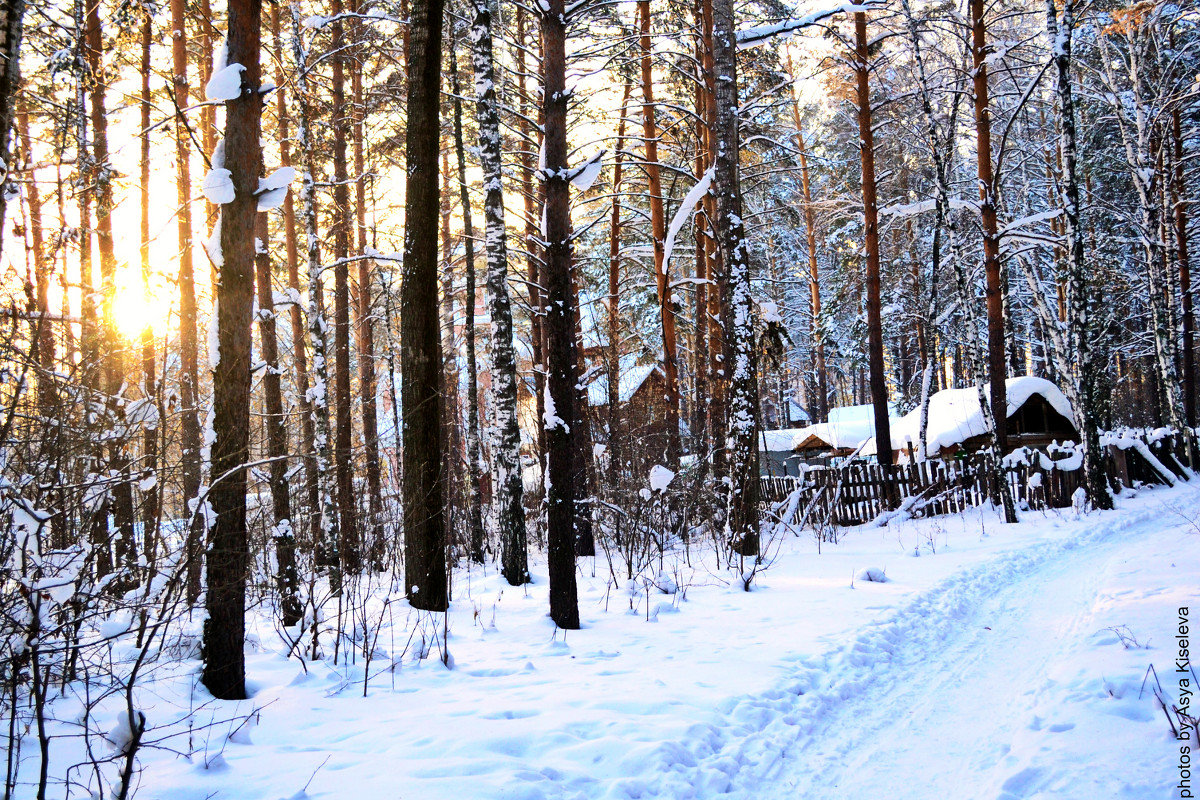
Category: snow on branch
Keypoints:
(685, 210)
(583, 176)
(925, 206)
(749, 37)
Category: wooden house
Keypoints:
(1038, 414)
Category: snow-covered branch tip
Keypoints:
(751, 37)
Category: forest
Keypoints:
(316, 309)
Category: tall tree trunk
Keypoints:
(150, 495)
(43, 337)
(820, 409)
(286, 581)
(1081, 293)
(507, 488)
(373, 530)
(224, 631)
(741, 523)
(700, 165)
(658, 227)
(615, 436)
(1185, 274)
(189, 371)
(531, 140)
(420, 349)
(343, 455)
(718, 383)
(997, 362)
(879, 392)
(474, 446)
(12, 17)
(559, 325)
(327, 532)
(296, 312)
(114, 370)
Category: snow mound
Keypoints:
(872, 575)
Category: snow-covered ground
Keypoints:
(982, 668)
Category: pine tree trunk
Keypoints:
(224, 631)
(658, 228)
(879, 391)
(43, 339)
(531, 140)
(12, 16)
(299, 337)
(996, 362)
(112, 350)
(343, 455)
(700, 165)
(286, 582)
(821, 408)
(454, 489)
(507, 487)
(741, 428)
(189, 371)
(373, 530)
(718, 383)
(420, 349)
(615, 435)
(89, 344)
(150, 496)
(559, 321)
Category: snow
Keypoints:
(218, 186)
(660, 478)
(273, 189)
(585, 175)
(632, 378)
(768, 312)
(847, 429)
(779, 440)
(991, 667)
(550, 416)
(749, 37)
(684, 213)
(225, 84)
(955, 415)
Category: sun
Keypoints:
(136, 307)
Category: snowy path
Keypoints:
(960, 689)
(968, 692)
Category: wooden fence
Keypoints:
(855, 493)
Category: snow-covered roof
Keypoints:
(847, 428)
(777, 440)
(632, 378)
(797, 412)
(846, 435)
(955, 415)
(858, 414)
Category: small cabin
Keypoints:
(776, 453)
(1038, 414)
(848, 428)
